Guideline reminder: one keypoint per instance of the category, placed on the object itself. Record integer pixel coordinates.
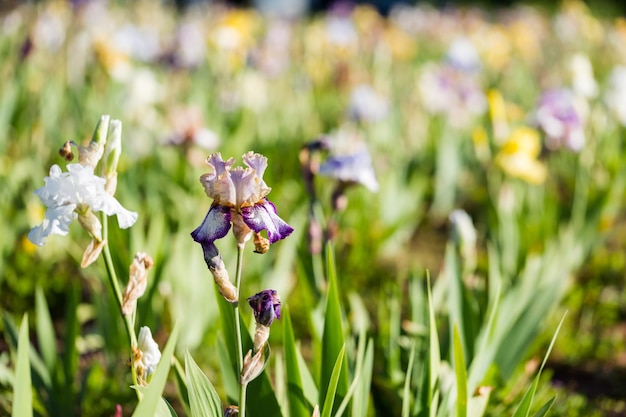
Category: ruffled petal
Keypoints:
(110, 206)
(215, 225)
(355, 167)
(218, 184)
(263, 216)
(56, 222)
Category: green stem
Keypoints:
(115, 286)
(242, 387)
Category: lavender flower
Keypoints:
(558, 117)
(349, 161)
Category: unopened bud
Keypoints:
(252, 366)
(261, 244)
(112, 153)
(216, 265)
(91, 154)
(316, 411)
(137, 282)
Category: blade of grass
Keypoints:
(22, 390)
(45, 331)
(523, 410)
(434, 354)
(461, 375)
(406, 392)
(333, 384)
(297, 401)
(543, 411)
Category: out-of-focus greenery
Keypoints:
(446, 129)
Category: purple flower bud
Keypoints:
(266, 306)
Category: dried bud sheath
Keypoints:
(216, 265)
(261, 336)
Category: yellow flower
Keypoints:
(518, 156)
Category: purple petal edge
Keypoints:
(215, 225)
(263, 216)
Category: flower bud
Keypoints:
(112, 154)
(266, 306)
(137, 282)
(316, 411)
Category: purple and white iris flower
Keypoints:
(239, 199)
(561, 120)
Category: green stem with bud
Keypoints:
(115, 286)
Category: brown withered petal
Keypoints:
(261, 244)
(231, 411)
(137, 281)
(252, 366)
(261, 336)
(66, 151)
(92, 252)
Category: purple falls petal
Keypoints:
(215, 225)
(263, 216)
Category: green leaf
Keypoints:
(41, 375)
(333, 336)
(148, 405)
(298, 405)
(434, 354)
(406, 392)
(45, 331)
(543, 411)
(181, 385)
(461, 375)
(203, 398)
(523, 409)
(332, 385)
(22, 390)
(230, 380)
(365, 366)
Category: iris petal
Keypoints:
(214, 226)
(263, 216)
